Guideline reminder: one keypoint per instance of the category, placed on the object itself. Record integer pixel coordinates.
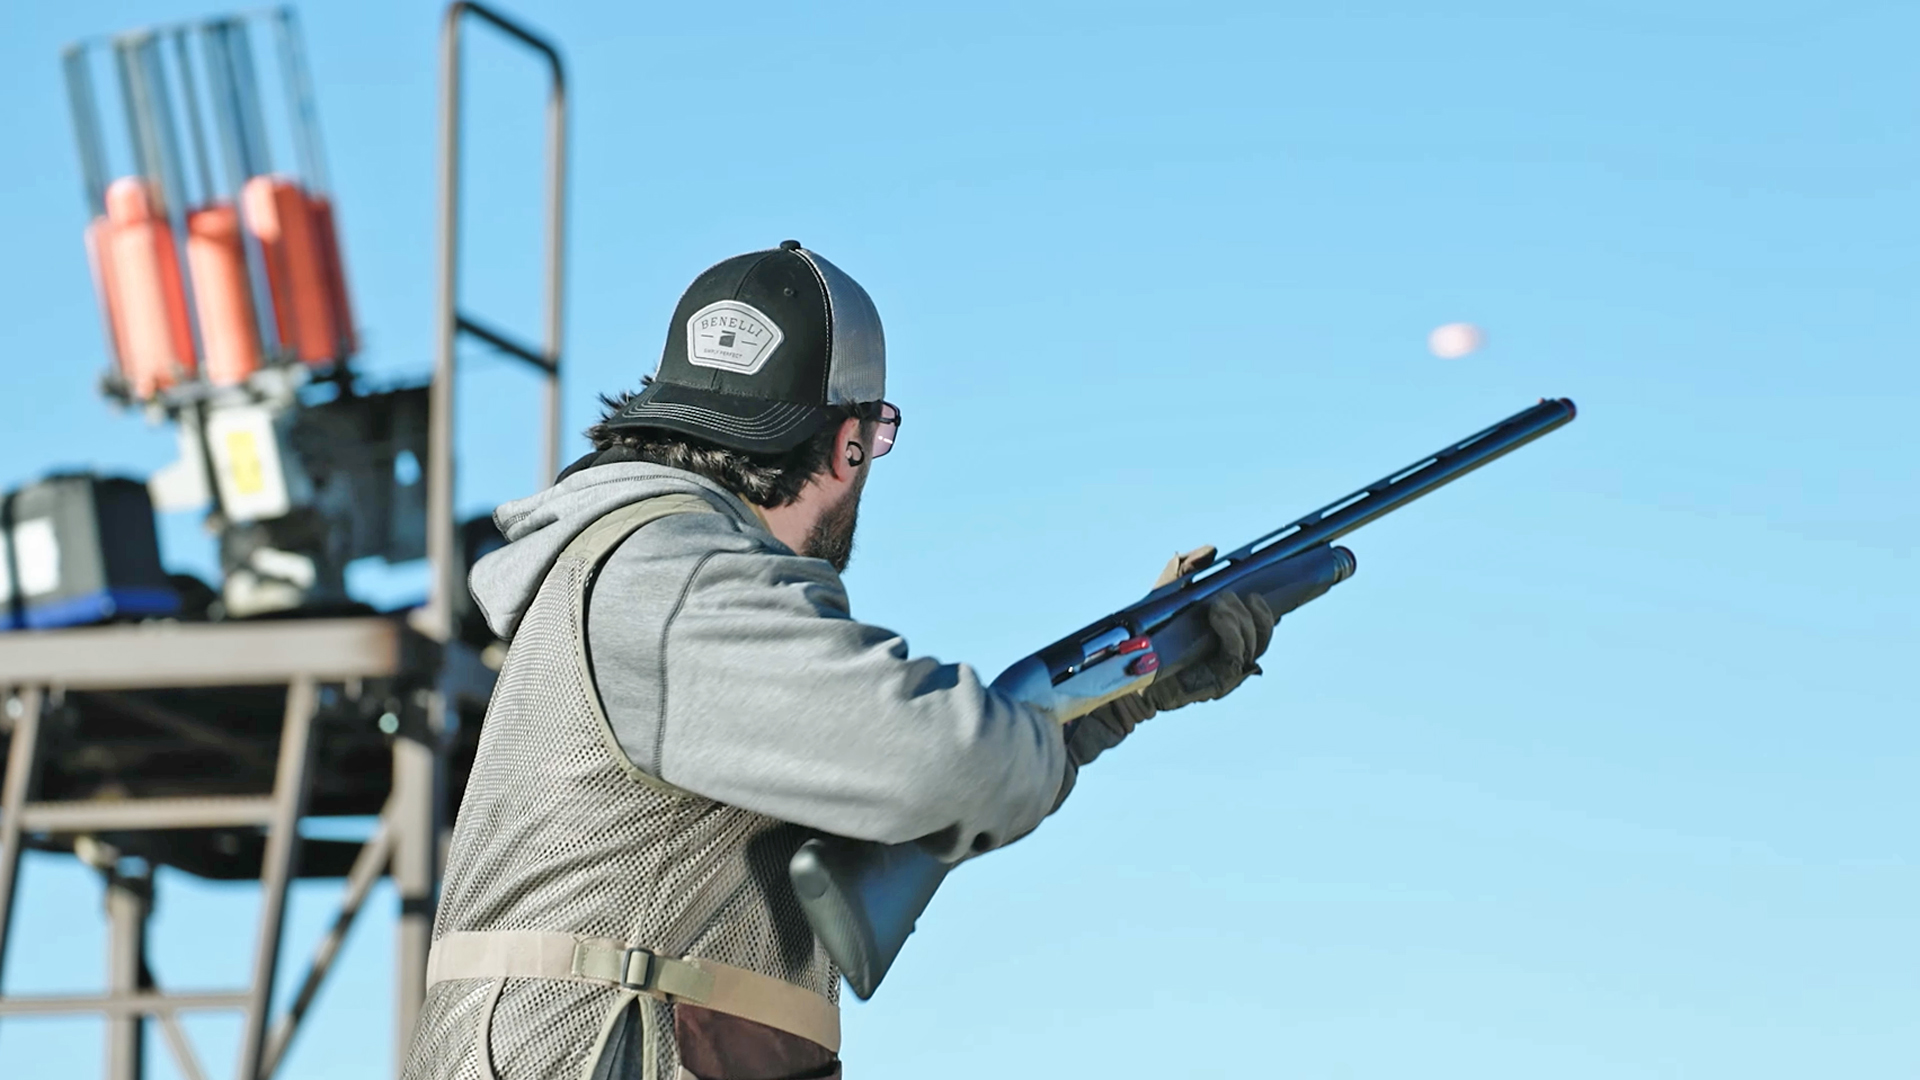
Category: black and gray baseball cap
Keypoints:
(762, 349)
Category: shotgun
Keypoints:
(862, 898)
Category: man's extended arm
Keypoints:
(776, 700)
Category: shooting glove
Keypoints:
(1103, 728)
(1244, 628)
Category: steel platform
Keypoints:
(204, 747)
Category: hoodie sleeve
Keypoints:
(774, 699)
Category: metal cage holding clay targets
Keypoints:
(211, 231)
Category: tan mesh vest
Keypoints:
(579, 886)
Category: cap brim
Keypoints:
(754, 425)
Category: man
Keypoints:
(687, 698)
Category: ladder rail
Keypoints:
(23, 709)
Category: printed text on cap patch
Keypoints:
(731, 336)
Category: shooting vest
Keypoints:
(581, 888)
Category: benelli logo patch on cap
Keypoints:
(731, 336)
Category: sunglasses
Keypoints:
(886, 419)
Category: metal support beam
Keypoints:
(141, 1004)
(438, 621)
(450, 323)
(502, 341)
(184, 1058)
(556, 253)
(418, 764)
(367, 868)
(415, 828)
(129, 1007)
(276, 868)
(162, 655)
(129, 900)
(110, 815)
(23, 761)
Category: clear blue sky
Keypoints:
(1603, 766)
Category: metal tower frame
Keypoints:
(138, 683)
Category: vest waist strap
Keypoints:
(537, 954)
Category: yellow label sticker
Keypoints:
(243, 463)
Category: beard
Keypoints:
(831, 537)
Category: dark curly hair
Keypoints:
(764, 479)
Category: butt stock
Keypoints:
(863, 900)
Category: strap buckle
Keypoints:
(636, 969)
(643, 970)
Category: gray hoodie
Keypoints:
(731, 667)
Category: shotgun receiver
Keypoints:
(862, 897)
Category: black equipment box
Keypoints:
(80, 549)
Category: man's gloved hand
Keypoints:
(1244, 628)
(1103, 728)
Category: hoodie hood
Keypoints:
(538, 528)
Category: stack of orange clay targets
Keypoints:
(208, 277)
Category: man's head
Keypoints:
(770, 385)
(809, 494)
